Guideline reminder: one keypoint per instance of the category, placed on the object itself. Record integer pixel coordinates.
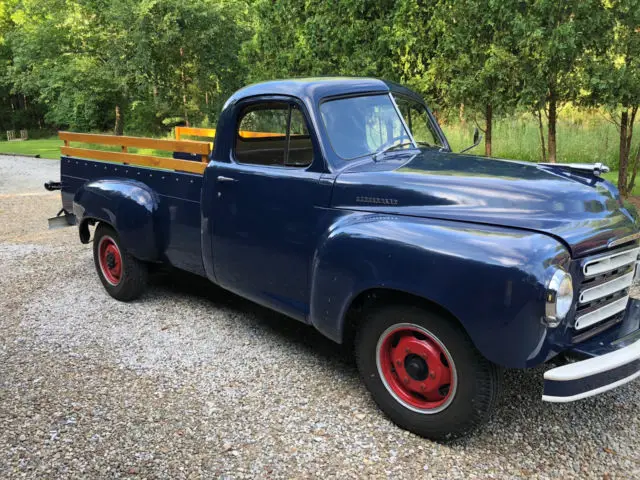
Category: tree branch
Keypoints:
(609, 118)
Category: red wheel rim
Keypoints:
(110, 260)
(416, 368)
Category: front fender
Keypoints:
(129, 206)
(491, 279)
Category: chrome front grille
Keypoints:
(604, 292)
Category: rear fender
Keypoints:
(490, 279)
(132, 208)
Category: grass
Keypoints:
(589, 140)
(45, 147)
(50, 148)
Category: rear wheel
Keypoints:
(424, 373)
(122, 275)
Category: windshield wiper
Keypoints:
(384, 149)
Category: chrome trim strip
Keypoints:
(610, 262)
(603, 313)
(615, 285)
(627, 239)
(593, 168)
(404, 124)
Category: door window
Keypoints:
(273, 133)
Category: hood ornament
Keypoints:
(595, 169)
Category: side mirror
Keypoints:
(477, 138)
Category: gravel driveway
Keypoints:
(194, 382)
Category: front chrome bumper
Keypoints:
(613, 362)
(593, 376)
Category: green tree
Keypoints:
(474, 58)
(553, 40)
(614, 80)
(96, 63)
(295, 38)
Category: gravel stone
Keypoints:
(194, 382)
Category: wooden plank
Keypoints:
(247, 134)
(195, 132)
(133, 159)
(187, 146)
(211, 133)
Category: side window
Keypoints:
(273, 133)
(262, 134)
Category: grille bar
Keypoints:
(606, 264)
(602, 313)
(613, 286)
(604, 292)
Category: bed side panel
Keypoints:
(179, 196)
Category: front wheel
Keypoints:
(123, 276)
(424, 372)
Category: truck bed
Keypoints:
(179, 194)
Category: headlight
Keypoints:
(559, 298)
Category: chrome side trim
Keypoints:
(627, 239)
(611, 262)
(603, 313)
(605, 289)
(594, 168)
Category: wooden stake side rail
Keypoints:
(195, 132)
(187, 146)
(211, 133)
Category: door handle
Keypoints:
(226, 179)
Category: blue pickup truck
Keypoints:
(347, 210)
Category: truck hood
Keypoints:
(582, 210)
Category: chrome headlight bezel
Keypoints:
(558, 298)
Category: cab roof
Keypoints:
(316, 89)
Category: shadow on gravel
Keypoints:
(520, 409)
(291, 330)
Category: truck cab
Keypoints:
(338, 202)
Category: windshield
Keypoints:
(359, 126)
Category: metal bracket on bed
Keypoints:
(62, 219)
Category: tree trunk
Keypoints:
(551, 136)
(632, 168)
(634, 172)
(461, 115)
(184, 88)
(624, 154)
(119, 127)
(542, 146)
(488, 130)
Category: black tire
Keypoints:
(478, 382)
(131, 280)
